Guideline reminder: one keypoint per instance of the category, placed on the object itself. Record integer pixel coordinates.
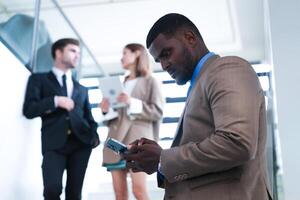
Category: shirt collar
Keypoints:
(59, 73)
(198, 69)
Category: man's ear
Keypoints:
(190, 37)
(58, 53)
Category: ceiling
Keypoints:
(229, 27)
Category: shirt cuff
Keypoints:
(160, 175)
(159, 170)
(136, 106)
(55, 101)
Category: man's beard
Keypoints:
(187, 67)
(68, 64)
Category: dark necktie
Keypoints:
(64, 86)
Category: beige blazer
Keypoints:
(127, 128)
(219, 150)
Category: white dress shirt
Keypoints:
(136, 105)
(58, 74)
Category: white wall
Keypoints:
(20, 153)
(284, 55)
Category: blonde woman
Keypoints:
(140, 118)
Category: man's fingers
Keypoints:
(146, 141)
(132, 149)
(142, 141)
(131, 156)
(135, 142)
(146, 147)
(129, 164)
(133, 166)
(136, 152)
(136, 169)
(70, 104)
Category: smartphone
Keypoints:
(116, 145)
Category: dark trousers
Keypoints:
(73, 157)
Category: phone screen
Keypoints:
(116, 145)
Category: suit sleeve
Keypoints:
(34, 104)
(235, 99)
(152, 107)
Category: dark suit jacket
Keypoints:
(219, 150)
(39, 101)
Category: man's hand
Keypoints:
(143, 155)
(65, 103)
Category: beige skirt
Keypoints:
(137, 130)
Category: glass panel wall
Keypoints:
(16, 27)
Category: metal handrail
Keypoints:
(78, 35)
(35, 36)
(32, 62)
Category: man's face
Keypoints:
(174, 57)
(70, 56)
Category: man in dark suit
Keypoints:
(68, 128)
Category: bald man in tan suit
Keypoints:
(218, 152)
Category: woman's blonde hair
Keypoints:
(142, 64)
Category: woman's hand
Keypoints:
(104, 105)
(124, 98)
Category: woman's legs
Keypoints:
(120, 184)
(139, 188)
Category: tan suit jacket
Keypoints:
(219, 150)
(127, 128)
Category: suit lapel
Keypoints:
(75, 90)
(55, 83)
(178, 130)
